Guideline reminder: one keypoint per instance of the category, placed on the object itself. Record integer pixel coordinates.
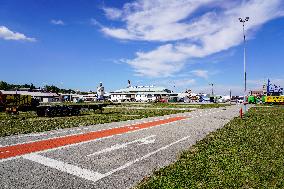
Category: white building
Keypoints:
(77, 97)
(90, 97)
(141, 94)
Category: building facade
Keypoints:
(141, 94)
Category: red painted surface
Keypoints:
(21, 149)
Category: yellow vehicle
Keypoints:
(15, 102)
(274, 99)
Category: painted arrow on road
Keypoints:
(140, 141)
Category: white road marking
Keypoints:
(124, 145)
(64, 167)
(35, 134)
(58, 148)
(147, 142)
(76, 144)
(143, 157)
(42, 139)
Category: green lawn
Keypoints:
(244, 154)
(28, 122)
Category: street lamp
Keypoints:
(230, 96)
(212, 93)
(245, 73)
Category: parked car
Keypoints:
(240, 101)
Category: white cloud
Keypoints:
(112, 13)
(257, 83)
(218, 89)
(57, 22)
(187, 35)
(180, 85)
(7, 34)
(161, 62)
(200, 73)
(177, 85)
(184, 83)
(155, 20)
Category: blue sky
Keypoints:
(178, 44)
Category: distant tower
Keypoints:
(101, 91)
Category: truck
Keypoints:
(13, 103)
(273, 99)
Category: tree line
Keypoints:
(47, 88)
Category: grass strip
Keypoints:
(245, 153)
(29, 122)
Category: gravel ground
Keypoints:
(119, 161)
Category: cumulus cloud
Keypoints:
(186, 33)
(200, 73)
(257, 83)
(161, 62)
(156, 20)
(180, 84)
(184, 82)
(218, 89)
(112, 13)
(57, 22)
(7, 34)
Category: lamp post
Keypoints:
(245, 73)
(230, 96)
(212, 93)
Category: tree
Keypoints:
(52, 88)
(4, 85)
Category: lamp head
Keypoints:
(240, 19)
(247, 18)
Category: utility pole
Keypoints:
(245, 73)
(230, 96)
(212, 93)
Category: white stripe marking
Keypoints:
(143, 157)
(144, 140)
(65, 167)
(42, 139)
(77, 144)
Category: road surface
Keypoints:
(113, 155)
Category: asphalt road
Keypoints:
(114, 155)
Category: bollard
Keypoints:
(241, 113)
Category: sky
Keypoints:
(178, 44)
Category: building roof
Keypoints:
(154, 93)
(122, 93)
(135, 89)
(34, 94)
